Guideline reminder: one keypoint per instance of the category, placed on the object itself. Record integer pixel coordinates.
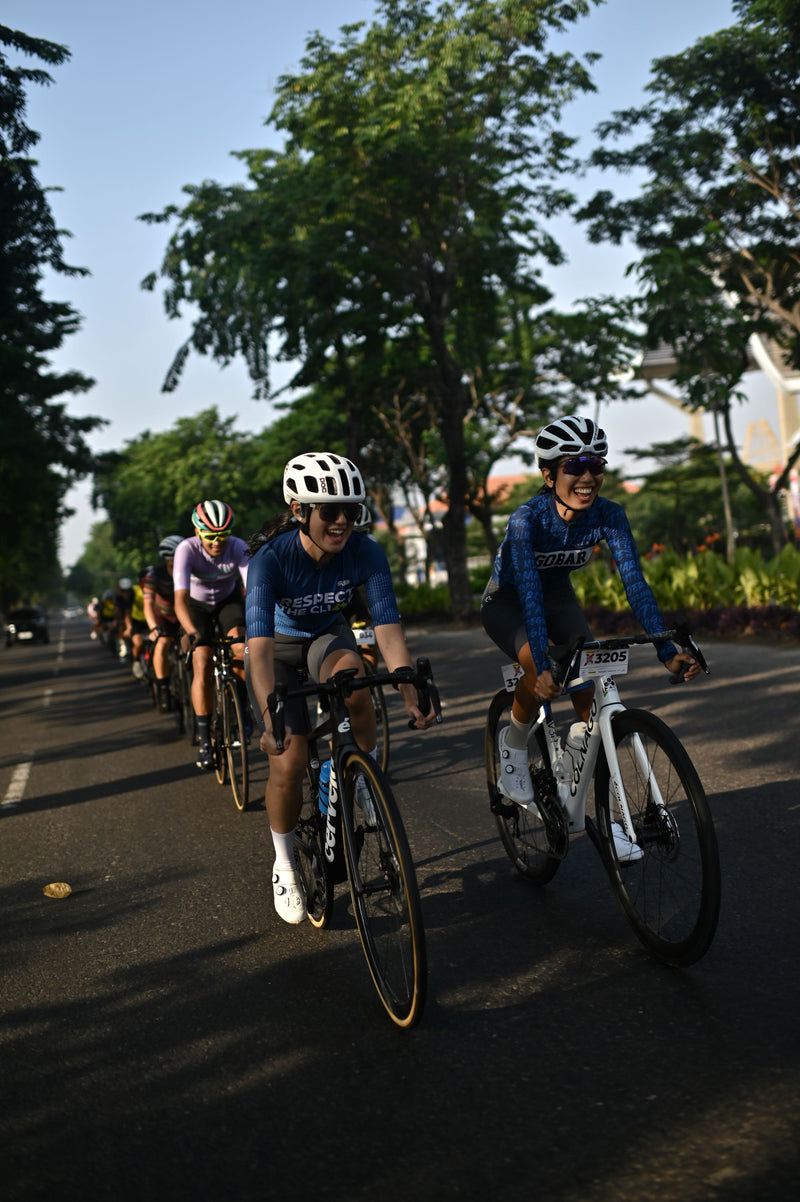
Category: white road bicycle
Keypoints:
(652, 825)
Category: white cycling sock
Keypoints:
(284, 851)
(517, 734)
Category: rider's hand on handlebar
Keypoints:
(420, 721)
(546, 687)
(684, 665)
(267, 741)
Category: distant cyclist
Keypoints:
(529, 601)
(209, 571)
(306, 566)
(159, 611)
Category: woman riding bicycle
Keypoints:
(306, 565)
(529, 601)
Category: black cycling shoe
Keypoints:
(205, 757)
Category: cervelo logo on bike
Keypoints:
(330, 829)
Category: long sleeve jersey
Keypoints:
(540, 550)
(288, 592)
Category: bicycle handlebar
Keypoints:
(346, 682)
(562, 657)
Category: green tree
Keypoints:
(42, 448)
(680, 503)
(422, 160)
(716, 220)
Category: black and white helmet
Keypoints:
(320, 476)
(169, 545)
(570, 436)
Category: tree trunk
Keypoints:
(767, 498)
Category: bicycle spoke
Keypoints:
(670, 893)
(384, 890)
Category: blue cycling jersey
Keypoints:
(288, 592)
(540, 550)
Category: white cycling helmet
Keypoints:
(570, 436)
(320, 476)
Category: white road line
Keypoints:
(16, 790)
(46, 699)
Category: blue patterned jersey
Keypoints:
(540, 550)
(288, 592)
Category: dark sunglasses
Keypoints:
(578, 464)
(330, 511)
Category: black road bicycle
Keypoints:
(228, 733)
(361, 838)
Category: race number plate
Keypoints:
(365, 635)
(604, 662)
(511, 674)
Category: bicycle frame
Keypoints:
(573, 786)
(573, 778)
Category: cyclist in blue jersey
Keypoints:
(529, 601)
(305, 568)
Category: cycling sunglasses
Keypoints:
(330, 511)
(215, 538)
(576, 465)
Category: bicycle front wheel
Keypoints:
(309, 851)
(526, 838)
(383, 886)
(670, 889)
(217, 735)
(381, 719)
(236, 745)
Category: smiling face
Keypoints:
(326, 534)
(576, 492)
(214, 545)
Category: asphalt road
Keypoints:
(166, 1036)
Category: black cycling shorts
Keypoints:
(225, 616)
(295, 657)
(501, 614)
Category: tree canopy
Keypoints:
(716, 219)
(43, 448)
(387, 248)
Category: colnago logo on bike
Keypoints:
(330, 824)
(579, 758)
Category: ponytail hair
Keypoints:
(273, 526)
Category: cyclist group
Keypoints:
(284, 594)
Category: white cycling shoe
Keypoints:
(290, 902)
(627, 852)
(515, 777)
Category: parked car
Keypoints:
(28, 623)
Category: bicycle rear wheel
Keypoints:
(236, 745)
(671, 894)
(526, 838)
(383, 887)
(309, 849)
(381, 719)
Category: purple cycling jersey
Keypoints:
(540, 550)
(206, 578)
(291, 593)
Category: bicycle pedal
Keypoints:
(502, 806)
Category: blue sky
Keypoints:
(157, 95)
